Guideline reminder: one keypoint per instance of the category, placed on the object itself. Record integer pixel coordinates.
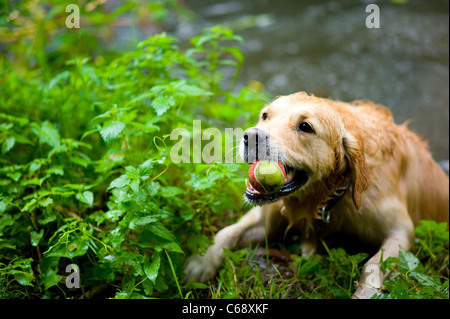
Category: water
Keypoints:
(324, 48)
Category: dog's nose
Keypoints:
(251, 135)
(255, 144)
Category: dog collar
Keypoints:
(324, 215)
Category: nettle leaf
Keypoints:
(46, 202)
(60, 77)
(4, 203)
(423, 279)
(170, 191)
(142, 96)
(8, 144)
(206, 182)
(49, 269)
(47, 133)
(22, 271)
(23, 278)
(134, 185)
(5, 221)
(114, 214)
(36, 237)
(407, 261)
(86, 197)
(82, 161)
(119, 182)
(151, 270)
(22, 121)
(188, 89)
(161, 231)
(55, 170)
(145, 168)
(112, 130)
(35, 165)
(162, 104)
(142, 221)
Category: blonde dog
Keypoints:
(350, 169)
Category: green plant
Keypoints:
(423, 275)
(86, 176)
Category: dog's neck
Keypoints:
(324, 211)
(313, 204)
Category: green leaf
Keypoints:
(4, 203)
(162, 104)
(36, 237)
(86, 197)
(142, 221)
(407, 261)
(23, 278)
(423, 279)
(8, 144)
(14, 176)
(23, 272)
(49, 269)
(236, 52)
(58, 78)
(47, 134)
(56, 170)
(82, 161)
(112, 131)
(161, 231)
(151, 270)
(192, 90)
(5, 221)
(170, 191)
(142, 96)
(145, 168)
(203, 183)
(119, 182)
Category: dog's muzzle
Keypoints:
(255, 146)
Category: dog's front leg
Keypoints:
(204, 268)
(372, 277)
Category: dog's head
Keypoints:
(313, 139)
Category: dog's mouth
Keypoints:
(295, 178)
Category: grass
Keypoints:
(333, 272)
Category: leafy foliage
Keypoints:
(424, 276)
(86, 177)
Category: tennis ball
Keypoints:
(267, 176)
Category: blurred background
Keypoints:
(322, 47)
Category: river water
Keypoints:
(325, 48)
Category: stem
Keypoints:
(174, 274)
(40, 50)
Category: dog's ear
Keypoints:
(356, 163)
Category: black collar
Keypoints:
(324, 210)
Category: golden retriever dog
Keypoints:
(351, 169)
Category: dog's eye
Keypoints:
(305, 127)
(264, 116)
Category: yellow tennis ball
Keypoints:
(267, 176)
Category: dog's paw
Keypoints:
(365, 292)
(199, 268)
